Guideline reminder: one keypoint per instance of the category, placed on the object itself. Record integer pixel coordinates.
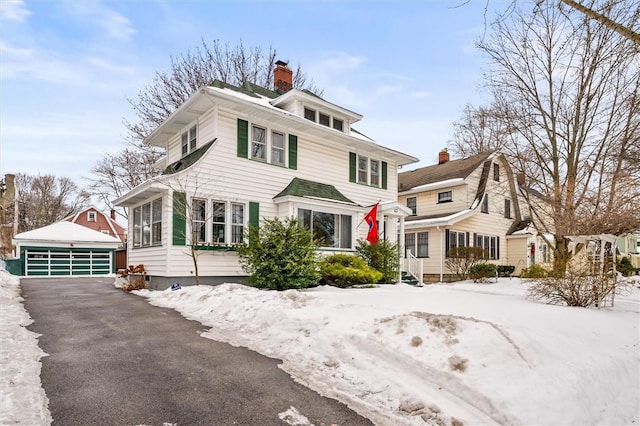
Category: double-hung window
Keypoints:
(490, 244)
(91, 216)
(218, 215)
(277, 148)
(455, 239)
(417, 243)
(412, 204)
(237, 223)
(189, 140)
(258, 143)
(156, 221)
(507, 208)
(375, 173)
(485, 204)
(363, 169)
(199, 222)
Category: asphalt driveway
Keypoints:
(114, 359)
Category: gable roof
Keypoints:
(309, 189)
(65, 231)
(116, 227)
(454, 169)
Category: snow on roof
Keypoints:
(65, 231)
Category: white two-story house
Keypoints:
(237, 155)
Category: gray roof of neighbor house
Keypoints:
(440, 172)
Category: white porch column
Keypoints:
(401, 245)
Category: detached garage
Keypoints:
(66, 249)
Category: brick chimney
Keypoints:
(113, 214)
(443, 156)
(282, 77)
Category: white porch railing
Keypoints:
(413, 266)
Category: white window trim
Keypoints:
(92, 216)
(228, 225)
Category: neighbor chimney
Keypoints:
(282, 77)
(520, 178)
(113, 214)
(443, 156)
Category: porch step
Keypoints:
(409, 279)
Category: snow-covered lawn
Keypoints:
(460, 353)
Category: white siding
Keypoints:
(221, 175)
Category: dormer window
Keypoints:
(189, 140)
(324, 119)
(310, 114)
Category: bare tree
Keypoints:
(192, 70)
(480, 129)
(571, 86)
(116, 174)
(46, 199)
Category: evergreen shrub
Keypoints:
(534, 271)
(280, 255)
(344, 270)
(482, 272)
(383, 257)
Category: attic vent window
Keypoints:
(91, 216)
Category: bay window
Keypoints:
(329, 229)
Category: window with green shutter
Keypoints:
(179, 219)
(293, 152)
(243, 138)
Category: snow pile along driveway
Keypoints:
(22, 399)
(441, 354)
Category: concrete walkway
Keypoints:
(114, 359)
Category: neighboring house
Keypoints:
(237, 155)
(65, 249)
(462, 203)
(629, 245)
(95, 219)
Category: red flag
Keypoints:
(372, 220)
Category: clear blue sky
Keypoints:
(68, 67)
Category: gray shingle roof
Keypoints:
(440, 172)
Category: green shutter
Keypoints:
(293, 152)
(254, 220)
(179, 219)
(352, 167)
(254, 213)
(384, 175)
(243, 138)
